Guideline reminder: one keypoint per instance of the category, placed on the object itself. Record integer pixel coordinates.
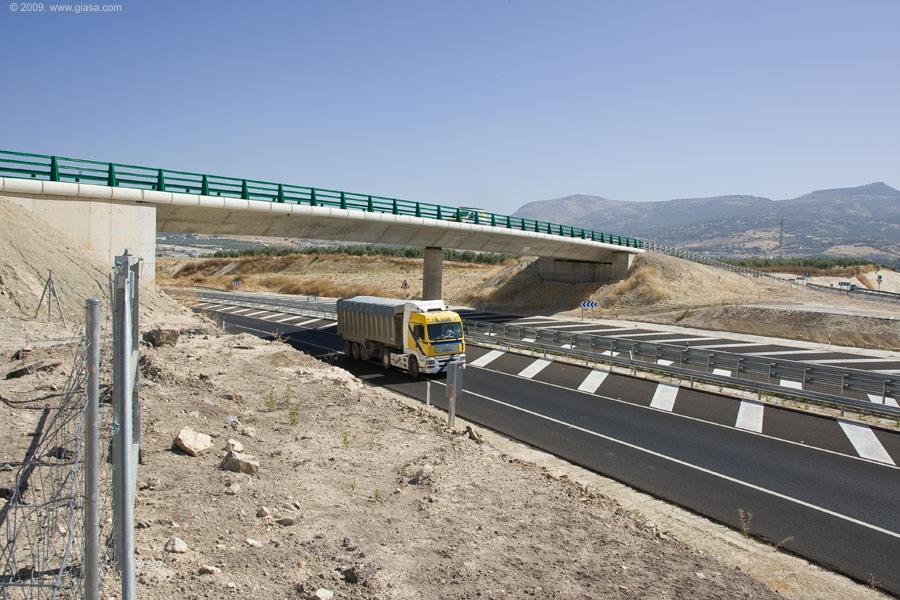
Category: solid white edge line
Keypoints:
(710, 472)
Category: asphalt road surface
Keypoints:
(815, 486)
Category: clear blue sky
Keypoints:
(491, 103)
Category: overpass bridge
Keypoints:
(109, 207)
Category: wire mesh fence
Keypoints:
(43, 553)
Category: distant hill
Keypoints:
(861, 221)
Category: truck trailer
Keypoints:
(416, 336)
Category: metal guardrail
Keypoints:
(58, 168)
(711, 261)
(693, 364)
(288, 307)
(698, 364)
(858, 291)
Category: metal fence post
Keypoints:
(92, 455)
(124, 382)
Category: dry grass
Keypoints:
(644, 286)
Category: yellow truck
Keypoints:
(416, 336)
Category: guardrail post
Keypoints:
(111, 176)
(160, 181)
(343, 200)
(204, 187)
(394, 209)
(312, 197)
(369, 206)
(54, 169)
(245, 191)
(418, 209)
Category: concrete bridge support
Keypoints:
(432, 276)
(580, 271)
(102, 225)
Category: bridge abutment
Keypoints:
(106, 228)
(581, 271)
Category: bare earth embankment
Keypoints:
(362, 493)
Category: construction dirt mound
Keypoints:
(345, 490)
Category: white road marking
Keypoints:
(841, 361)
(305, 322)
(794, 385)
(698, 468)
(888, 401)
(725, 372)
(664, 362)
(567, 346)
(534, 368)
(864, 441)
(687, 339)
(202, 305)
(593, 381)
(327, 326)
(564, 326)
(631, 335)
(253, 314)
(236, 310)
(487, 358)
(734, 345)
(287, 318)
(664, 397)
(750, 416)
(528, 340)
(786, 353)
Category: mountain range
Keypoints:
(859, 222)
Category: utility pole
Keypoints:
(781, 238)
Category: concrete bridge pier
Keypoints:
(432, 276)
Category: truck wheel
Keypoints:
(355, 351)
(386, 360)
(364, 352)
(413, 367)
(348, 349)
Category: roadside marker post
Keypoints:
(454, 390)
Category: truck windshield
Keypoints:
(438, 332)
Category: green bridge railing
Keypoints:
(57, 168)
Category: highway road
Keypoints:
(823, 488)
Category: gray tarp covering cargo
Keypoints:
(371, 318)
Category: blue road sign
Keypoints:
(588, 304)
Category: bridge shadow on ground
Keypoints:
(520, 289)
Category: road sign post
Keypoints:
(587, 304)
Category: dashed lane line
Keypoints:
(534, 368)
(487, 358)
(750, 416)
(664, 397)
(864, 441)
(887, 401)
(794, 385)
(593, 381)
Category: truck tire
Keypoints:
(364, 352)
(348, 349)
(413, 367)
(386, 359)
(355, 351)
